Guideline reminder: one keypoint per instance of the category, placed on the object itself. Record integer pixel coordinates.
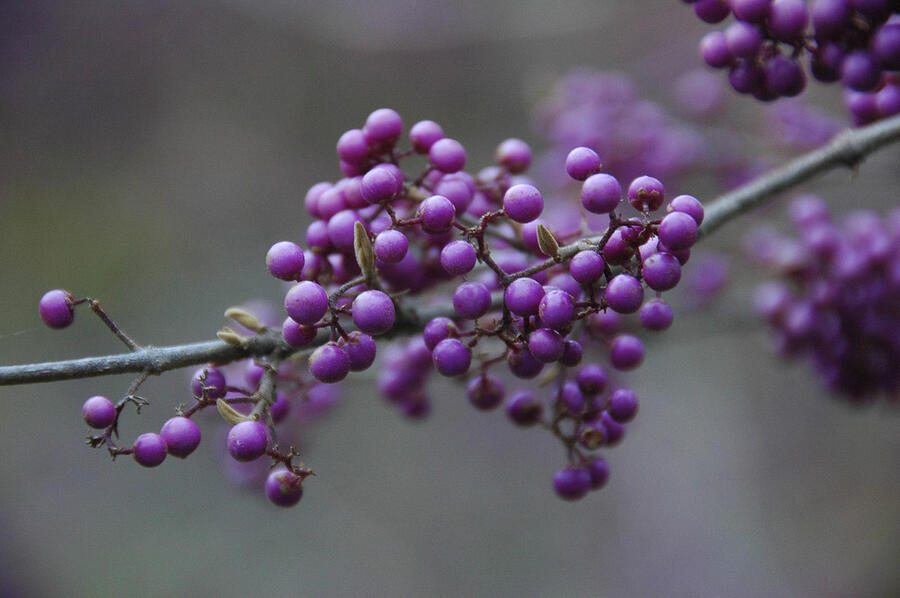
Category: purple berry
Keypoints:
(572, 354)
(601, 193)
(524, 409)
(557, 309)
(352, 147)
(283, 488)
(714, 50)
(383, 126)
(437, 330)
(211, 380)
(688, 204)
(329, 363)
(485, 392)
(373, 312)
(523, 296)
(523, 203)
(424, 134)
(711, 11)
(624, 294)
(646, 194)
(285, 260)
(626, 352)
(391, 246)
(787, 19)
(514, 155)
(886, 45)
(360, 348)
(342, 229)
(860, 71)
(615, 431)
(571, 483)
(522, 364)
(380, 184)
(678, 231)
(98, 412)
(306, 302)
(587, 267)
(598, 469)
(437, 214)
(447, 155)
(247, 441)
(458, 258)
(471, 300)
(452, 357)
(149, 449)
(56, 308)
(623, 405)
(297, 335)
(656, 315)
(181, 435)
(743, 39)
(546, 345)
(592, 379)
(581, 163)
(662, 271)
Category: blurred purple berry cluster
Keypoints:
(856, 42)
(838, 300)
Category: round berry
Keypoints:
(471, 300)
(182, 436)
(591, 379)
(437, 214)
(485, 392)
(342, 229)
(329, 363)
(656, 315)
(283, 488)
(572, 354)
(524, 408)
(373, 312)
(624, 294)
(546, 345)
(523, 296)
(391, 246)
(56, 308)
(424, 134)
(149, 449)
(458, 257)
(352, 147)
(297, 335)
(581, 163)
(98, 412)
(557, 309)
(437, 330)
(587, 267)
(285, 260)
(623, 405)
(598, 469)
(514, 155)
(571, 483)
(383, 126)
(211, 380)
(247, 441)
(523, 203)
(626, 352)
(678, 231)
(360, 349)
(688, 204)
(646, 194)
(662, 271)
(452, 357)
(714, 50)
(306, 302)
(380, 184)
(447, 155)
(601, 193)
(522, 364)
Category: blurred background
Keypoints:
(150, 153)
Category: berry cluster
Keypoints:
(839, 300)
(381, 236)
(856, 42)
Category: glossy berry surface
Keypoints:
(56, 309)
(283, 488)
(247, 441)
(98, 412)
(181, 435)
(149, 449)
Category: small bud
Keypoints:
(245, 319)
(230, 414)
(231, 337)
(365, 255)
(547, 242)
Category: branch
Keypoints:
(847, 149)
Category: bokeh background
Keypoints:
(149, 155)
